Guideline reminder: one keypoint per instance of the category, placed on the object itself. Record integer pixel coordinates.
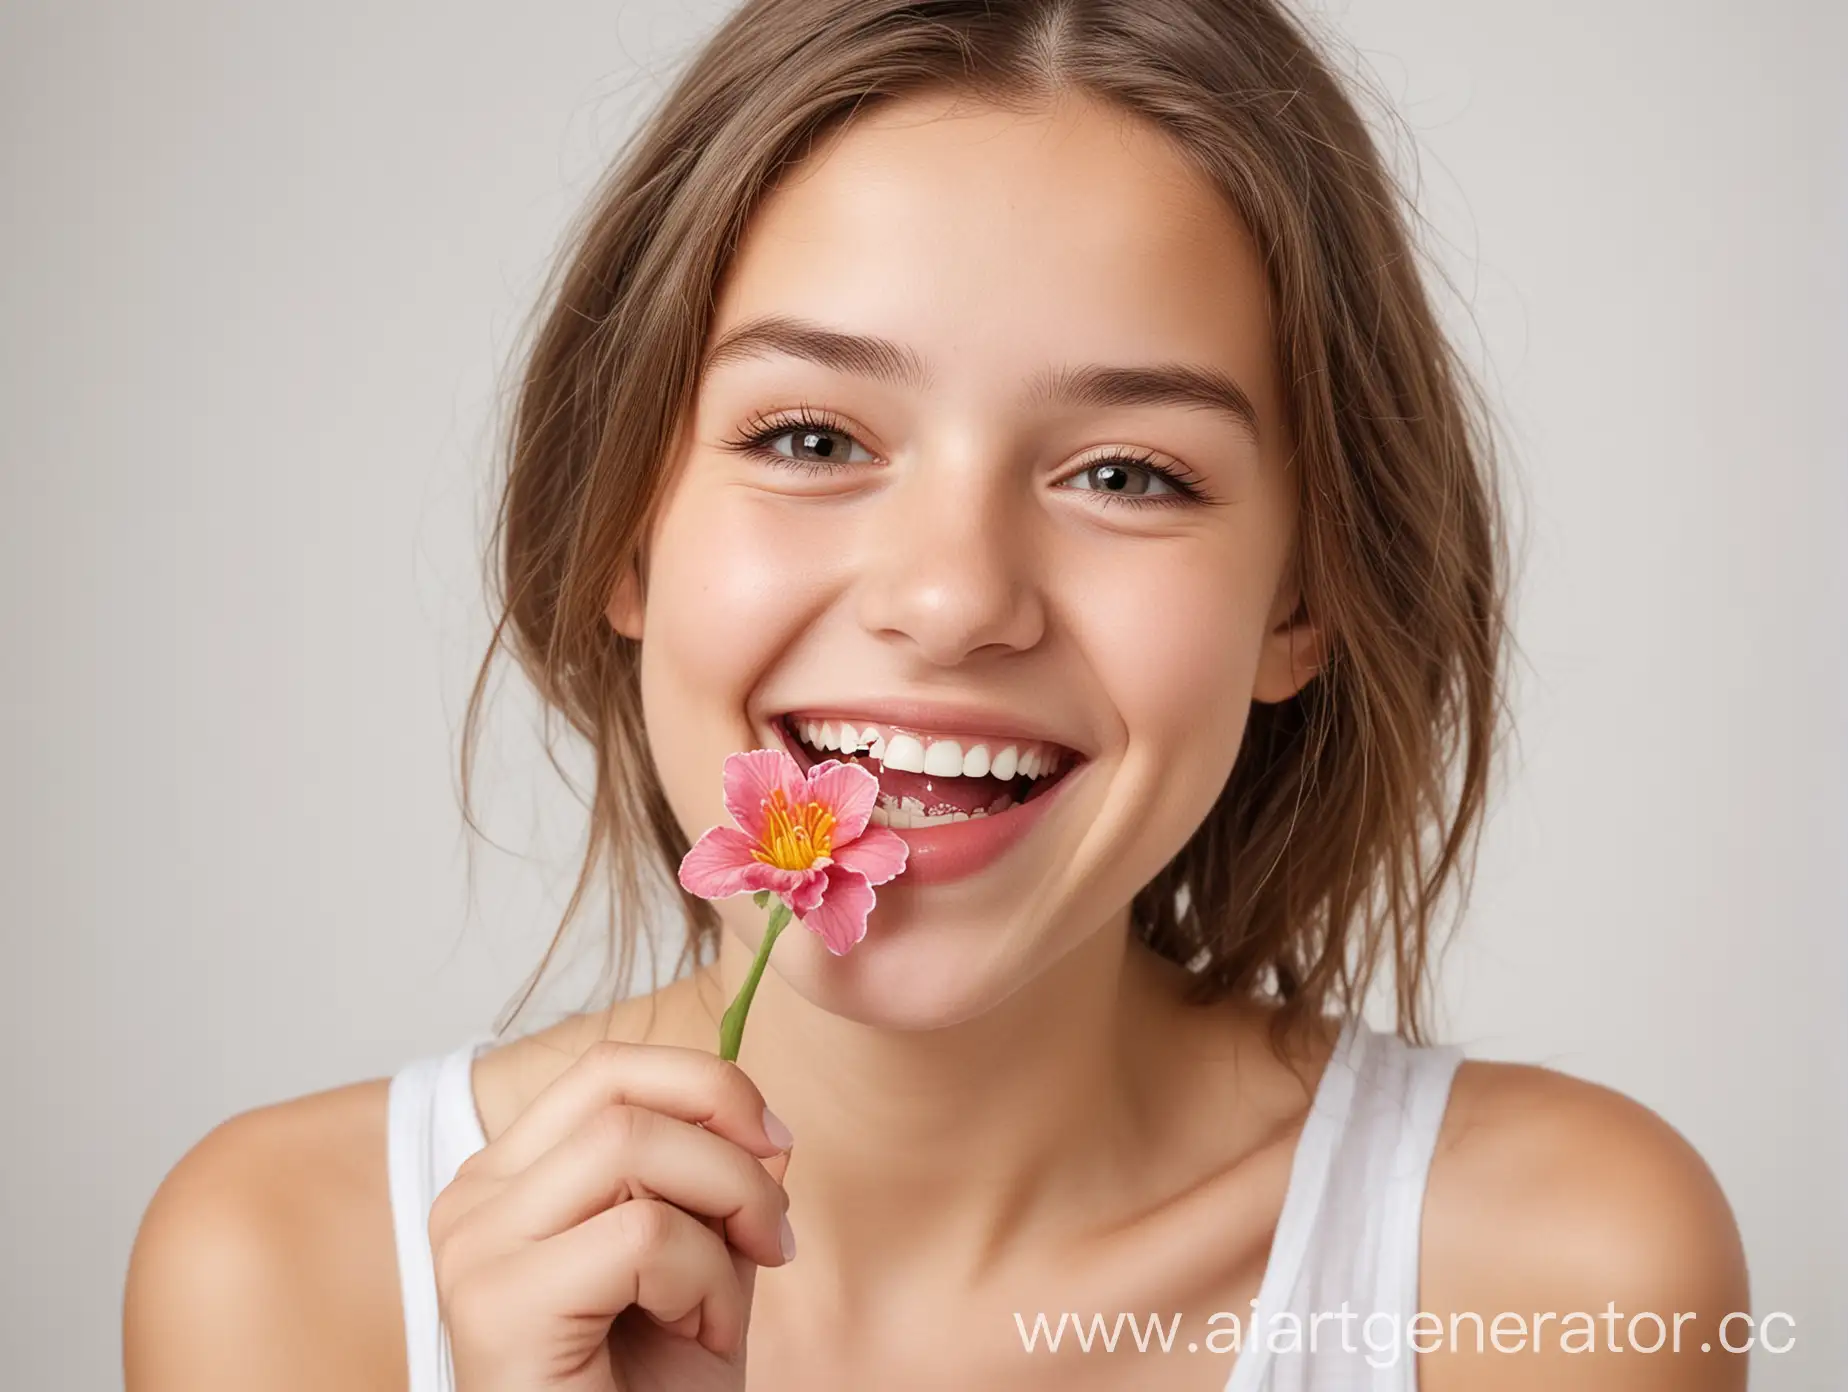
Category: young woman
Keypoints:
(1049, 376)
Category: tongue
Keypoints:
(938, 794)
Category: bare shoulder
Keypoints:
(266, 1257)
(1589, 1226)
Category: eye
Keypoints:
(1133, 480)
(818, 443)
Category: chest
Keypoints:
(1160, 1306)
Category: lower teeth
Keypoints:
(909, 814)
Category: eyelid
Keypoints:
(1184, 484)
(766, 424)
(798, 412)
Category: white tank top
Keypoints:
(1346, 1239)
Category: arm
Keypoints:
(264, 1262)
(1550, 1196)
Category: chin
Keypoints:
(911, 974)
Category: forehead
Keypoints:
(994, 243)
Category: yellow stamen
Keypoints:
(794, 838)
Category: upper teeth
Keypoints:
(967, 757)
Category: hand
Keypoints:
(609, 1239)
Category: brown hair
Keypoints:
(1338, 829)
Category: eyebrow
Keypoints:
(1159, 384)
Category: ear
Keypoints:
(625, 608)
(1293, 649)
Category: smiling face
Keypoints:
(1028, 557)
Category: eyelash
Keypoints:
(754, 443)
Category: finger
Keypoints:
(777, 1166)
(647, 1254)
(744, 1270)
(623, 1152)
(690, 1084)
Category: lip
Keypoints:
(957, 850)
(953, 850)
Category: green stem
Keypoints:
(731, 1027)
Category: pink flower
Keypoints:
(804, 838)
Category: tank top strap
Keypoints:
(1347, 1241)
(432, 1126)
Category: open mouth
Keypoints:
(930, 779)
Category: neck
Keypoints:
(949, 1145)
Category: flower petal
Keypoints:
(804, 896)
(846, 790)
(840, 918)
(783, 882)
(749, 779)
(720, 864)
(878, 853)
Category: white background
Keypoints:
(262, 268)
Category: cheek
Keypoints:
(728, 592)
(718, 591)
(1174, 645)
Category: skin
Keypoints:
(1133, 1153)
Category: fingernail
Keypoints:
(778, 1133)
(786, 1235)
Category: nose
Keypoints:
(950, 565)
